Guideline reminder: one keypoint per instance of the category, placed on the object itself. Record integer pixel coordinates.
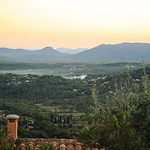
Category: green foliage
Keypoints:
(8, 143)
(120, 133)
(115, 133)
(125, 124)
(90, 136)
(113, 97)
(49, 90)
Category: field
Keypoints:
(54, 109)
(73, 114)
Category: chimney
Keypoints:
(12, 125)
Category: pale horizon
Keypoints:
(34, 24)
(72, 48)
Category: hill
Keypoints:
(45, 55)
(124, 52)
(132, 52)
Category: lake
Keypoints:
(42, 72)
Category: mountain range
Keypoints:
(105, 53)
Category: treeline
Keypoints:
(72, 68)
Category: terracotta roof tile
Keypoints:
(70, 146)
(62, 147)
(62, 144)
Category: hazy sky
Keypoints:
(34, 24)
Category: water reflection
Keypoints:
(42, 72)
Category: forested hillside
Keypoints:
(51, 106)
(48, 90)
(55, 91)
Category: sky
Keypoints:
(34, 24)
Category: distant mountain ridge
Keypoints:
(132, 52)
(44, 55)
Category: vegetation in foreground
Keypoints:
(123, 125)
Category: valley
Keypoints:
(70, 70)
